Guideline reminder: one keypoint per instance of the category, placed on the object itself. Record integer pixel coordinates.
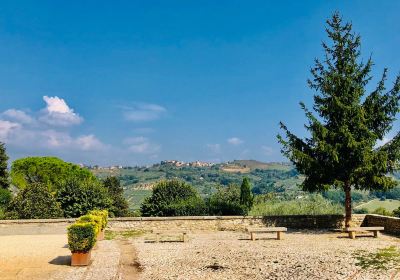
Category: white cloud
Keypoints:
(142, 145)
(6, 128)
(267, 150)
(17, 115)
(235, 141)
(58, 113)
(215, 148)
(89, 142)
(144, 112)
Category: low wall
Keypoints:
(391, 224)
(207, 223)
(233, 222)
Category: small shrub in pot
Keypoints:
(81, 239)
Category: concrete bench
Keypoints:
(159, 233)
(352, 231)
(279, 231)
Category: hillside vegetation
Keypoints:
(281, 180)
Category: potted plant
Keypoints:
(81, 239)
(104, 216)
(96, 221)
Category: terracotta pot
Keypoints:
(81, 258)
(100, 236)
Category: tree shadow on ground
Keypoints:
(357, 236)
(61, 260)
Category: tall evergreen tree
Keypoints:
(341, 151)
(120, 206)
(246, 197)
(4, 180)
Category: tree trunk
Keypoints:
(347, 204)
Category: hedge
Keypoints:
(81, 236)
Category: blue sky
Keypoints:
(136, 82)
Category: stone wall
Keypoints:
(201, 223)
(233, 222)
(391, 224)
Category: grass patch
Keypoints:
(388, 204)
(126, 234)
(383, 259)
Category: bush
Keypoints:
(104, 217)
(35, 201)
(96, 220)
(310, 205)
(194, 206)
(172, 198)
(396, 212)
(5, 198)
(360, 211)
(382, 211)
(81, 237)
(77, 196)
(226, 201)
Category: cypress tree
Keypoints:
(346, 122)
(4, 180)
(246, 197)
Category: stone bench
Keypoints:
(352, 231)
(159, 233)
(279, 231)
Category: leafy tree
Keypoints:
(35, 201)
(172, 198)
(47, 170)
(5, 198)
(341, 151)
(78, 196)
(246, 197)
(226, 201)
(119, 206)
(4, 183)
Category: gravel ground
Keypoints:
(48, 257)
(230, 255)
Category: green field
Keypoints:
(388, 204)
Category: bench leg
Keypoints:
(184, 237)
(157, 237)
(376, 233)
(279, 235)
(352, 235)
(253, 236)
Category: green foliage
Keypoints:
(47, 170)
(35, 201)
(97, 221)
(382, 211)
(396, 212)
(104, 217)
(5, 198)
(193, 206)
(226, 201)
(4, 183)
(119, 207)
(81, 237)
(78, 196)
(383, 259)
(126, 234)
(361, 211)
(310, 205)
(168, 199)
(246, 197)
(341, 150)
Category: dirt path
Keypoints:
(129, 267)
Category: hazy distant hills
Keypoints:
(265, 177)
